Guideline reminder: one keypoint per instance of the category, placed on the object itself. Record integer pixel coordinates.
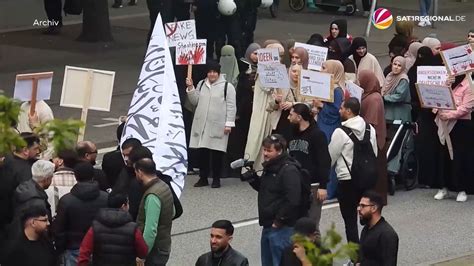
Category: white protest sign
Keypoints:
(434, 75)
(180, 31)
(354, 90)
(435, 96)
(459, 60)
(317, 55)
(24, 89)
(317, 85)
(192, 52)
(268, 56)
(273, 76)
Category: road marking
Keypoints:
(255, 221)
(114, 123)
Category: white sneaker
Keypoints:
(462, 197)
(421, 23)
(428, 23)
(442, 193)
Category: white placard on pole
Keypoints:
(273, 76)
(191, 52)
(180, 31)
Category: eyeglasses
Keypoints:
(365, 205)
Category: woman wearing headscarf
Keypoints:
(402, 39)
(455, 171)
(214, 119)
(263, 122)
(340, 49)
(316, 39)
(411, 54)
(363, 60)
(337, 28)
(289, 49)
(301, 57)
(244, 101)
(372, 110)
(433, 43)
(229, 64)
(328, 118)
(396, 92)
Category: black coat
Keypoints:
(127, 183)
(28, 194)
(76, 211)
(279, 192)
(230, 257)
(112, 165)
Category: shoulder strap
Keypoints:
(225, 91)
(202, 83)
(350, 134)
(367, 133)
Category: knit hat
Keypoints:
(213, 65)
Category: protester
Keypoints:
(289, 50)
(32, 192)
(341, 149)
(27, 122)
(402, 39)
(316, 39)
(396, 92)
(16, 169)
(87, 152)
(425, 6)
(163, 7)
(230, 67)
(64, 174)
(54, 14)
(113, 238)
(206, 16)
(112, 162)
(279, 198)
(75, 213)
(248, 20)
(470, 36)
(454, 171)
(229, 32)
(433, 43)
(328, 117)
(378, 240)
(32, 247)
(221, 252)
(214, 119)
(340, 49)
(337, 28)
(300, 56)
(411, 54)
(294, 75)
(308, 145)
(155, 213)
(364, 60)
(372, 110)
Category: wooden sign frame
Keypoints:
(331, 99)
(35, 77)
(422, 103)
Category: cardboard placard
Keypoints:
(268, 56)
(192, 52)
(459, 60)
(75, 88)
(434, 75)
(317, 55)
(354, 90)
(273, 76)
(180, 31)
(317, 85)
(435, 96)
(33, 87)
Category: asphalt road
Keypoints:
(429, 230)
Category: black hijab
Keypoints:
(341, 25)
(341, 47)
(316, 39)
(356, 43)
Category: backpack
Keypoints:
(72, 7)
(364, 163)
(306, 197)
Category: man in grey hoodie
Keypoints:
(341, 149)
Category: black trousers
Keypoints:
(210, 161)
(206, 28)
(53, 11)
(159, 6)
(248, 24)
(229, 32)
(349, 198)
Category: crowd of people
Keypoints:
(304, 152)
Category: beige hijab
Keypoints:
(336, 68)
(392, 79)
(412, 54)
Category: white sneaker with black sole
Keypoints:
(442, 194)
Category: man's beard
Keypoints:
(93, 162)
(364, 220)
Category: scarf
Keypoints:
(250, 50)
(229, 65)
(336, 68)
(392, 79)
(369, 82)
(304, 57)
(412, 53)
(357, 43)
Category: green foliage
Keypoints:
(62, 134)
(9, 138)
(320, 256)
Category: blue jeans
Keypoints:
(425, 6)
(274, 241)
(332, 184)
(70, 257)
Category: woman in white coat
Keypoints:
(214, 99)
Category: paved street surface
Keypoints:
(430, 231)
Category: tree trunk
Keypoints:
(95, 21)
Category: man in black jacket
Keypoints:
(221, 251)
(309, 147)
(112, 162)
(279, 198)
(87, 152)
(75, 213)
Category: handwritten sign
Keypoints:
(273, 76)
(192, 52)
(434, 75)
(435, 96)
(180, 31)
(354, 90)
(317, 85)
(268, 56)
(317, 55)
(459, 60)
